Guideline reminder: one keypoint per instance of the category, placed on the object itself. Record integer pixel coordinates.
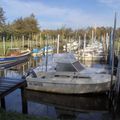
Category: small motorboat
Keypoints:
(78, 80)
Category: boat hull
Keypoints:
(6, 61)
(67, 88)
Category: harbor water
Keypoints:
(58, 106)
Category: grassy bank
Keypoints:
(19, 44)
(17, 116)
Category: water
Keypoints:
(58, 106)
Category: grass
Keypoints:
(19, 44)
(17, 116)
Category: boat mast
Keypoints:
(46, 52)
(79, 47)
(58, 43)
(92, 37)
(84, 46)
(113, 38)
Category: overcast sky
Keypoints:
(53, 14)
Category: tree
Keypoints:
(2, 19)
(18, 26)
(31, 24)
(25, 26)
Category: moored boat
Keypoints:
(69, 83)
(14, 55)
(80, 80)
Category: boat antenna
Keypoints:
(113, 38)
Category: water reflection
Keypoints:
(20, 69)
(71, 106)
(71, 102)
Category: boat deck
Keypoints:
(70, 77)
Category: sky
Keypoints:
(53, 14)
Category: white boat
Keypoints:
(47, 50)
(92, 52)
(80, 81)
(43, 51)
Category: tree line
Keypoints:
(29, 27)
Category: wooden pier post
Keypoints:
(3, 103)
(11, 41)
(8, 85)
(4, 46)
(24, 101)
(23, 41)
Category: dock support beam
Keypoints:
(3, 103)
(24, 101)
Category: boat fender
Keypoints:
(30, 72)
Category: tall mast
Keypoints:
(114, 36)
(58, 43)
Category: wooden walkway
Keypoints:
(8, 85)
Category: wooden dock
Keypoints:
(8, 85)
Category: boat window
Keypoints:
(43, 77)
(82, 77)
(79, 67)
(62, 76)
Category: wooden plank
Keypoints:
(4, 88)
(16, 86)
(7, 84)
(7, 80)
(11, 79)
